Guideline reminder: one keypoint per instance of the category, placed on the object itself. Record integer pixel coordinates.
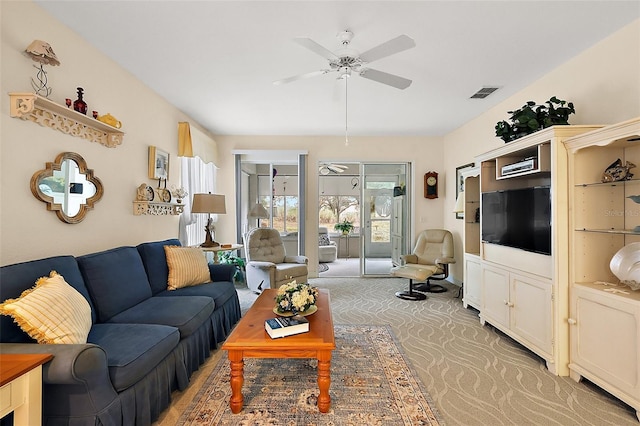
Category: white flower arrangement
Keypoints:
(295, 298)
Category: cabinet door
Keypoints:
(495, 295)
(531, 311)
(472, 279)
(604, 338)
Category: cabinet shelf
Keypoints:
(601, 184)
(40, 110)
(610, 231)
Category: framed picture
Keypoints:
(158, 163)
(460, 185)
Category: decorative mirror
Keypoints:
(67, 187)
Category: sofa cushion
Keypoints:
(52, 312)
(19, 277)
(155, 263)
(133, 350)
(323, 240)
(184, 313)
(116, 280)
(219, 291)
(187, 266)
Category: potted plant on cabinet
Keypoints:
(532, 117)
(345, 227)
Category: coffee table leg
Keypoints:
(237, 379)
(324, 380)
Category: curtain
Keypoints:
(198, 154)
(196, 177)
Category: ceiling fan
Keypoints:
(347, 61)
(325, 169)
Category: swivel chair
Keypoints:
(434, 247)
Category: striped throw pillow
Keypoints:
(187, 267)
(51, 312)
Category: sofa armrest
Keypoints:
(296, 259)
(445, 260)
(71, 364)
(258, 264)
(222, 271)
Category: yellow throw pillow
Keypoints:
(51, 312)
(187, 267)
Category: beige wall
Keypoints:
(27, 229)
(603, 82)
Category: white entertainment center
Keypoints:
(523, 293)
(556, 304)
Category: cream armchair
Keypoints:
(327, 249)
(434, 247)
(268, 266)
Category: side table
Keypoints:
(21, 387)
(219, 248)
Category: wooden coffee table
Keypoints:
(250, 340)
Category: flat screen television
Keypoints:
(519, 218)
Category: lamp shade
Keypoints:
(41, 51)
(459, 207)
(208, 203)
(258, 211)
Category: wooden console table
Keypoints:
(21, 387)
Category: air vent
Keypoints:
(484, 92)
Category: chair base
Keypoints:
(410, 295)
(430, 288)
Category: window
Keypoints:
(284, 211)
(197, 177)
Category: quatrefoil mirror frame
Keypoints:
(58, 208)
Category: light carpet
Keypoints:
(371, 384)
(475, 374)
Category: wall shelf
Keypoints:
(40, 110)
(156, 209)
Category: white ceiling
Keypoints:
(216, 60)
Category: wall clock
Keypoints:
(431, 185)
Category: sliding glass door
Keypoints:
(380, 183)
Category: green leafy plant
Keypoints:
(229, 258)
(532, 117)
(345, 226)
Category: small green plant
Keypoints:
(229, 258)
(345, 226)
(532, 117)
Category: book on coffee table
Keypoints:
(286, 326)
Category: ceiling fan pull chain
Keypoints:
(346, 110)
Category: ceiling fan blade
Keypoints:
(386, 78)
(391, 47)
(316, 48)
(300, 77)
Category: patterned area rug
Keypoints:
(372, 383)
(323, 267)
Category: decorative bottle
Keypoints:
(79, 104)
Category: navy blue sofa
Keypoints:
(144, 343)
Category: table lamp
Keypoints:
(459, 207)
(259, 212)
(208, 203)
